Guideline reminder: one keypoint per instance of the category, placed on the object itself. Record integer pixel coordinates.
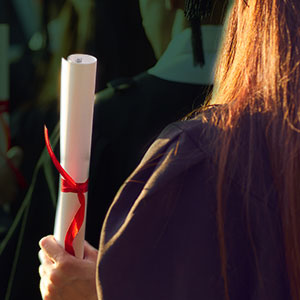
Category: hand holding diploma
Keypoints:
(64, 276)
(68, 262)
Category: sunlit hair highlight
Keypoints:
(258, 72)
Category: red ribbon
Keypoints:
(68, 185)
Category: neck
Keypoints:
(180, 23)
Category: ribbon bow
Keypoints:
(68, 185)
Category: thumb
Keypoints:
(52, 249)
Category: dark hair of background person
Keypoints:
(263, 77)
(119, 42)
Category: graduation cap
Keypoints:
(195, 11)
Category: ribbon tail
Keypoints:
(54, 159)
(75, 225)
(69, 186)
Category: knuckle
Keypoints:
(41, 270)
(57, 257)
(47, 297)
(54, 279)
(41, 256)
(48, 290)
(51, 289)
(65, 265)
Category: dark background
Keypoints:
(117, 39)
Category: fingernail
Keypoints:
(41, 242)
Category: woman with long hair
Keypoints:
(258, 77)
(212, 211)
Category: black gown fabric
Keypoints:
(160, 240)
(125, 125)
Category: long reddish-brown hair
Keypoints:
(259, 71)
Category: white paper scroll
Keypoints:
(78, 74)
(4, 83)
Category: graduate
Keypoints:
(212, 210)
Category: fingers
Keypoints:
(48, 290)
(50, 283)
(43, 288)
(56, 253)
(90, 253)
(44, 258)
(64, 276)
(46, 269)
(50, 270)
(56, 262)
(52, 249)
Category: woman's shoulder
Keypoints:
(192, 133)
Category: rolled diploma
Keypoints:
(78, 74)
(4, 82)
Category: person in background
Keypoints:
(212, 211)
(132, 111)
(119, 42)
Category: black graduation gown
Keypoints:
(160, 239)
(125, 124)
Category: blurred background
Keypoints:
(41, 32)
